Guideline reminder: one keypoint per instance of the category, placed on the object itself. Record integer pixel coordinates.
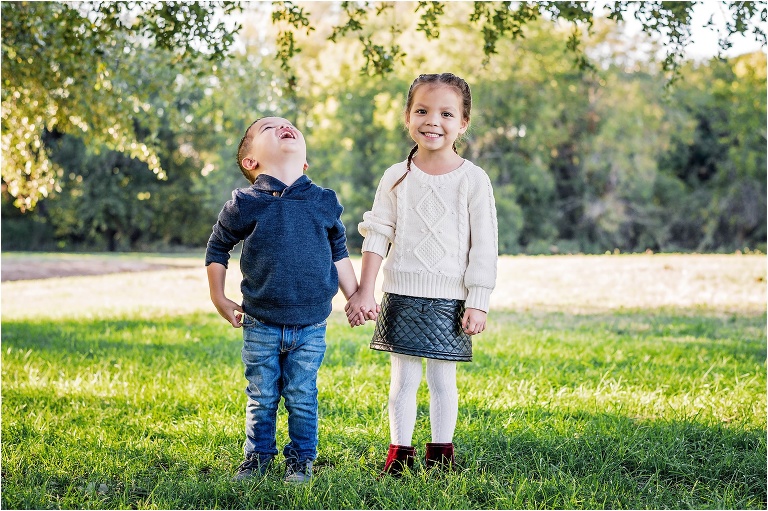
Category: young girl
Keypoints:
(434, 219)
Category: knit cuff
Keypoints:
(376, 243)
(479, 298)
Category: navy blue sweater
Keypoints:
(291, 238)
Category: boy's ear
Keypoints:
(250, 164)
(306, 166)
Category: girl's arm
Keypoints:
(473, 321)
(364, 300)
(378, 229)
(480, 275)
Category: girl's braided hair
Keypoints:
(450, 80)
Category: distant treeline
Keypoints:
(581, 161)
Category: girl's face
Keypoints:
(436, 119)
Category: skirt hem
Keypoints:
(419, 353)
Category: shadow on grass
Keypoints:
(200, 336)
(706, 330)
(205, 337)
(679, 349)
(652, 463)
(192, 335)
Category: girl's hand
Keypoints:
(473, 321)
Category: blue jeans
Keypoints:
(281, 361)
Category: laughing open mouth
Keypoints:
(287, 134)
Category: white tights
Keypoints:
(443, 398)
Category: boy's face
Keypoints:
(274, 141)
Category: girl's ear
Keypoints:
(464, 126)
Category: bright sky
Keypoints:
(704, 43)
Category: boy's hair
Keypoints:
(449, 79)
(242, 149)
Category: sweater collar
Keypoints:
(269, 184)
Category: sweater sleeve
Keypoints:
(227, 232)
(480, 276)
(378, 225)
(337, 235)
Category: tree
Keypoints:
(63, 64)
(580, 162)
(382, 51)
(717, 167)
(70, 68)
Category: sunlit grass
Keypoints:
(616, 410)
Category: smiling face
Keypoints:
(436, 117)
(271, 142)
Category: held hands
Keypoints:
(360, 308)
(473, 321)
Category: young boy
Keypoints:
(294, 259)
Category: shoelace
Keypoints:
(250, 463)
(296, 468)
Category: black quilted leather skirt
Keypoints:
(422, 327)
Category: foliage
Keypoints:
(63, 63)
(71, 68)
(611, 159)
(113, 202)
(500, 20)
(713, 164)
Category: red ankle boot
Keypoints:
(398, 458)
(440, 455)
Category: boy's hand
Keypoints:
(356, 319)
(229, 310)
(359, 309)
(473, 321)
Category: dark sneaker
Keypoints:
(255, 464)
(298, 472)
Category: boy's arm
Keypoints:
(347, 277)
(217, 275)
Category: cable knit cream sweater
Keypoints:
(442, 230)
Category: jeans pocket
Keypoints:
(249, 321)
(254, 330)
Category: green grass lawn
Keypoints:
(630, 408)
(625, 410)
